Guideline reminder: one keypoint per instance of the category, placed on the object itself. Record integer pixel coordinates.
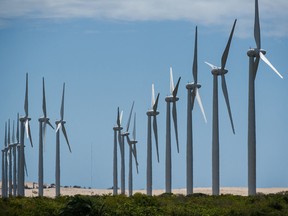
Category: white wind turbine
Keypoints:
(43, 121)
(171, 99)
(122, 150)
(4, 165)
(14, 152)
(192, 92)
(60, 124)
(9, 155)
(117, 129)
(254, 57)
(219, 71)
(132, 151)
(25, 126)
(152, 112)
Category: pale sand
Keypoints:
(50, 192)
(225, 190)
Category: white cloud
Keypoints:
(273, 14)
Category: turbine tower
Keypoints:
(117, 129)
(219, 71)
(171, 99)
(43, 121)
(60, 124)
(192, 92)
(254, 58)
(132, 151)
(152, 112)
(122, 150)
(25, 126)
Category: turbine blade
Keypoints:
(129, 119)
(153, 96)
(225, 93)
(257, 26)
(121, 115)
(29, 134)
(27, 128)
(118, 117)
(5, 137)
(135, 157)
(256, 64)
(156, 103)
(195, 63)
(26, 97)
(263, 57)
(13, 132)
(211, 65)
(176, 88)
(62, 103)
(65, 135)
(44, 135)
(134, 128)
(174, 115)
(171, 81)
(193, 95)
(9, 141)
(44, 99)
(25, 166)
(120, 140)
(156, 135)
(48, 122)
(201, 105)
(17, 129)
(58, 126)
(226, 51)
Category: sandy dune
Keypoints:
(50, 192)
(225, 190)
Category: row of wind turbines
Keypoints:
(14, 184)
(254, 54)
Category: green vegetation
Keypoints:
(139, 204)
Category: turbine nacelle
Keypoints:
(117, 128)
(218, 71)
(171, 99)
(125, 134)
(152, 113)
(193, 86)
(255, 52)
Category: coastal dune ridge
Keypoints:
(32, 191)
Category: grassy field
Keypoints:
(139, 204)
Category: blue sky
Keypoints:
(109, 53)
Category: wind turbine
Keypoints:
(152, 112)
(171, 99)
(132, 151)
(219, 71)
(192, 92)
(122, 150)
(4, 165)
(14, 151)
(25, 126)
(43, 121)
(60, 124)
(117, 129)
(254, 57)
(9, 155)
